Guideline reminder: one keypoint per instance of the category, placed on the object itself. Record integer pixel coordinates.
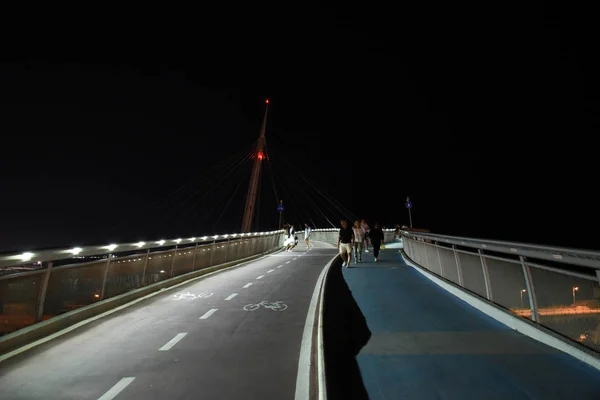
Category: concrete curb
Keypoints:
(27, 336)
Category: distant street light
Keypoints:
(522, 291)
(575, 288)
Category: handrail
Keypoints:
(580, 257)
(12, 259)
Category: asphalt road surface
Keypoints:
(209, 339)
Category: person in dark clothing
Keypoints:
(376, 235)
(345, 242)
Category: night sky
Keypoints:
(487, 118)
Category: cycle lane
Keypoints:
(88, 361)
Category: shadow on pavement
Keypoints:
(345, 332)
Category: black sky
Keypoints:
(486, 117)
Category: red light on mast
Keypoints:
(267, 101)
(261, 155)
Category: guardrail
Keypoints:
(61, 280)
(555, 287)
(330, 235)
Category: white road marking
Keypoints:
(295, 258)
(247, 285)
(173, 342)
(231, 296)
(118, 388)
(279, 266)
(304, 361)
(287, 262)
(209, 313)
(260, 277)
(269, 271)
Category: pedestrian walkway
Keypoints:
(426, 343)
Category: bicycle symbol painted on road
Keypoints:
(191, 296)
(276, 306)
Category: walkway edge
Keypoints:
(305, 363)
(34, 335)
(507, 319)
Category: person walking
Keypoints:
(365, 226)
(307, 235)
(344, 243)
(376, 235)
(359, 239)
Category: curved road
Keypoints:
(195, 341)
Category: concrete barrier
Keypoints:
(40, 330)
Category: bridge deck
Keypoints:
(201, 345)
(427, 344)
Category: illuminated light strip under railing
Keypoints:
(29, 257)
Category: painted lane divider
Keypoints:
(295, 258)
(279, 266)
(287, 262)
(260, 277)
(247, 285)
(231, 296)
(118, 388)
(209, 313)
(269, 271)
(172, 342)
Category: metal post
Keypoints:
(104, 279)
(173, 262)
(486, 276)
(42, 295)
(194, 257)
(212, 253)
(458, 268)
(410, 217)
(437, 247)
(535, 316)
(227, 249)
(144, 269)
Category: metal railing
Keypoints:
(552, 286)
(39, 285)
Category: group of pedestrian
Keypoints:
(352, 240)
(291, 240)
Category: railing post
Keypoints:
(437, 248)
(144, 269)
(486, 276)
(227, 249)
(173, 262)
(535, 316)
(212, 253)
(42, 295)
(104, 278)
(458, 267)
(194, 257)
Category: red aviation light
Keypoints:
(267, 101)
(260, 155)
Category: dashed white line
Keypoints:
(260, 277)
(118, 388)
(247, 285)
(173, 342)
(279, 266)
(295, 258)
(287, 262)
(208, 313)
(231, 296)
(269, 271)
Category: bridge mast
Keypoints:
(253, 188)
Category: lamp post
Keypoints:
(575, 288)
(522, 291)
